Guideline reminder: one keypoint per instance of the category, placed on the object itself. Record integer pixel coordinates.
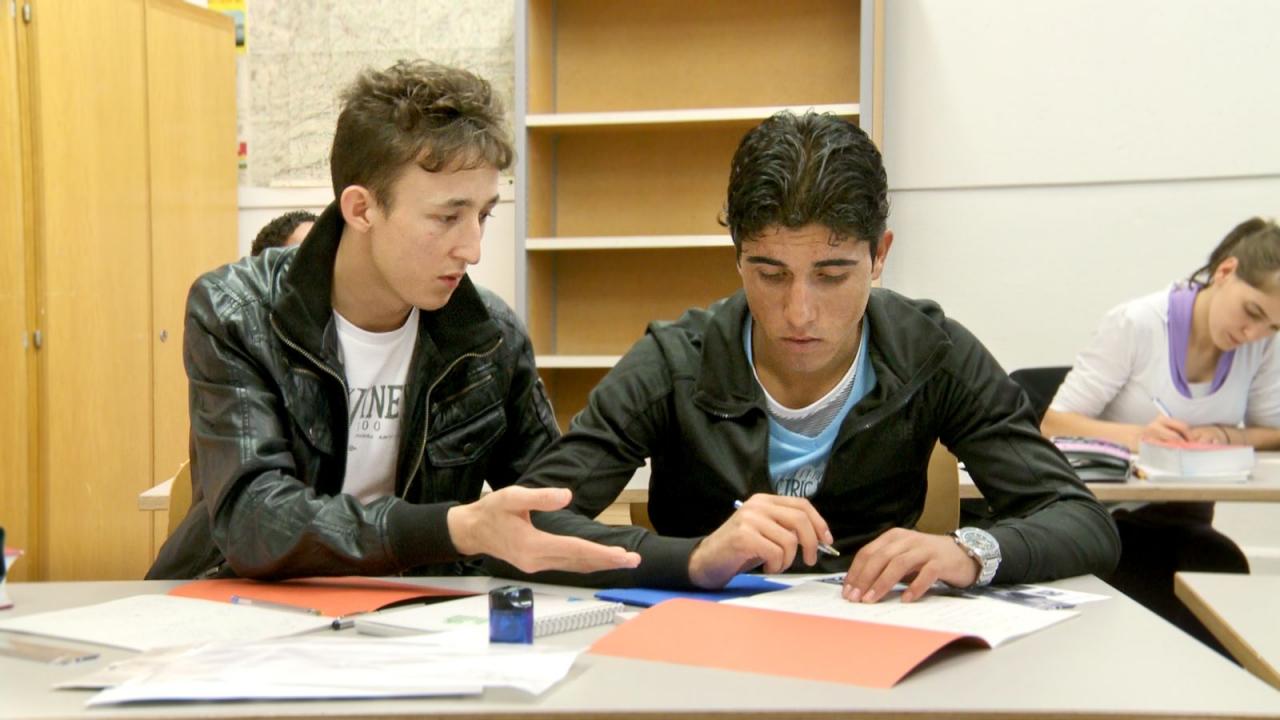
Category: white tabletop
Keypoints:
(1240, 610)
(1262, 486)
(1115, 659)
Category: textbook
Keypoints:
(1201, 462)
(551, 614)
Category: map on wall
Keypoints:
(302, 53)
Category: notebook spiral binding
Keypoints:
(590, 614)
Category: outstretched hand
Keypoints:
(498, 525)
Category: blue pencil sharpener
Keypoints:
(511, 615)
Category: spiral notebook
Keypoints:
(551, 614)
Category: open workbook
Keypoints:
(809, 631)
(151, 622)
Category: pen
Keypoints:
(345, 621)
(242, 600)
(1161, 407)
(823, 548)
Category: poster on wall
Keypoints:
(235, 9)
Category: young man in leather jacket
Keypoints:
(349, 397)
(814, 400)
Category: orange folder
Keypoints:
(333, 596)
(728, 637)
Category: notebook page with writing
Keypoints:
(552, 614)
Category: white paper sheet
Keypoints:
(994, 621)
(149, 622)
(319, 667)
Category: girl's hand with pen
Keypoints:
(1165, 429)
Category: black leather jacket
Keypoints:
(685, 396)
(269, 422)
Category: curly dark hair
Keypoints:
(1255, 244)
(277, 232)
(791, 171)
(416, 111)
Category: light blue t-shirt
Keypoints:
(798, 462)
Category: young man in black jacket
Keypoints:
(348, 395)
(814, 400)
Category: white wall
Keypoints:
(1050, 160)
(495, 271)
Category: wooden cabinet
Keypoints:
(628, 114)
(126, 151)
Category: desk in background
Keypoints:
(1115, 660)
(1240, 611)
(1262, 486)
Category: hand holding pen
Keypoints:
(823, 548)
(766, 532)
(1165, 427)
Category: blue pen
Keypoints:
(1164, 410)
(823, 548)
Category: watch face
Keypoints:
(979, 541)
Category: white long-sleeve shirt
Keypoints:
(1126, 364)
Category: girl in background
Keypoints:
(1204, 351)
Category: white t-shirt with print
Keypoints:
(376, 365)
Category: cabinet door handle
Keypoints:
(37, 339)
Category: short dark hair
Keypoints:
(416, 111)
(1255, 244)
(791, 171)
(276, 233)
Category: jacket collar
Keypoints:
(906, 346)
(304, 306)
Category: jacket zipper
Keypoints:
(426, 412)
(315, 361)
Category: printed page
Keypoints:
(149, 622)
(317, 667)
(993, 621)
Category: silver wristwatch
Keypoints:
(981, 546)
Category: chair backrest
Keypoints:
(941, 512)
(179, 495)
(1040, 384)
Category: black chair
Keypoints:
(1040, 384)
(1158, 539)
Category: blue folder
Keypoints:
(739, 586)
